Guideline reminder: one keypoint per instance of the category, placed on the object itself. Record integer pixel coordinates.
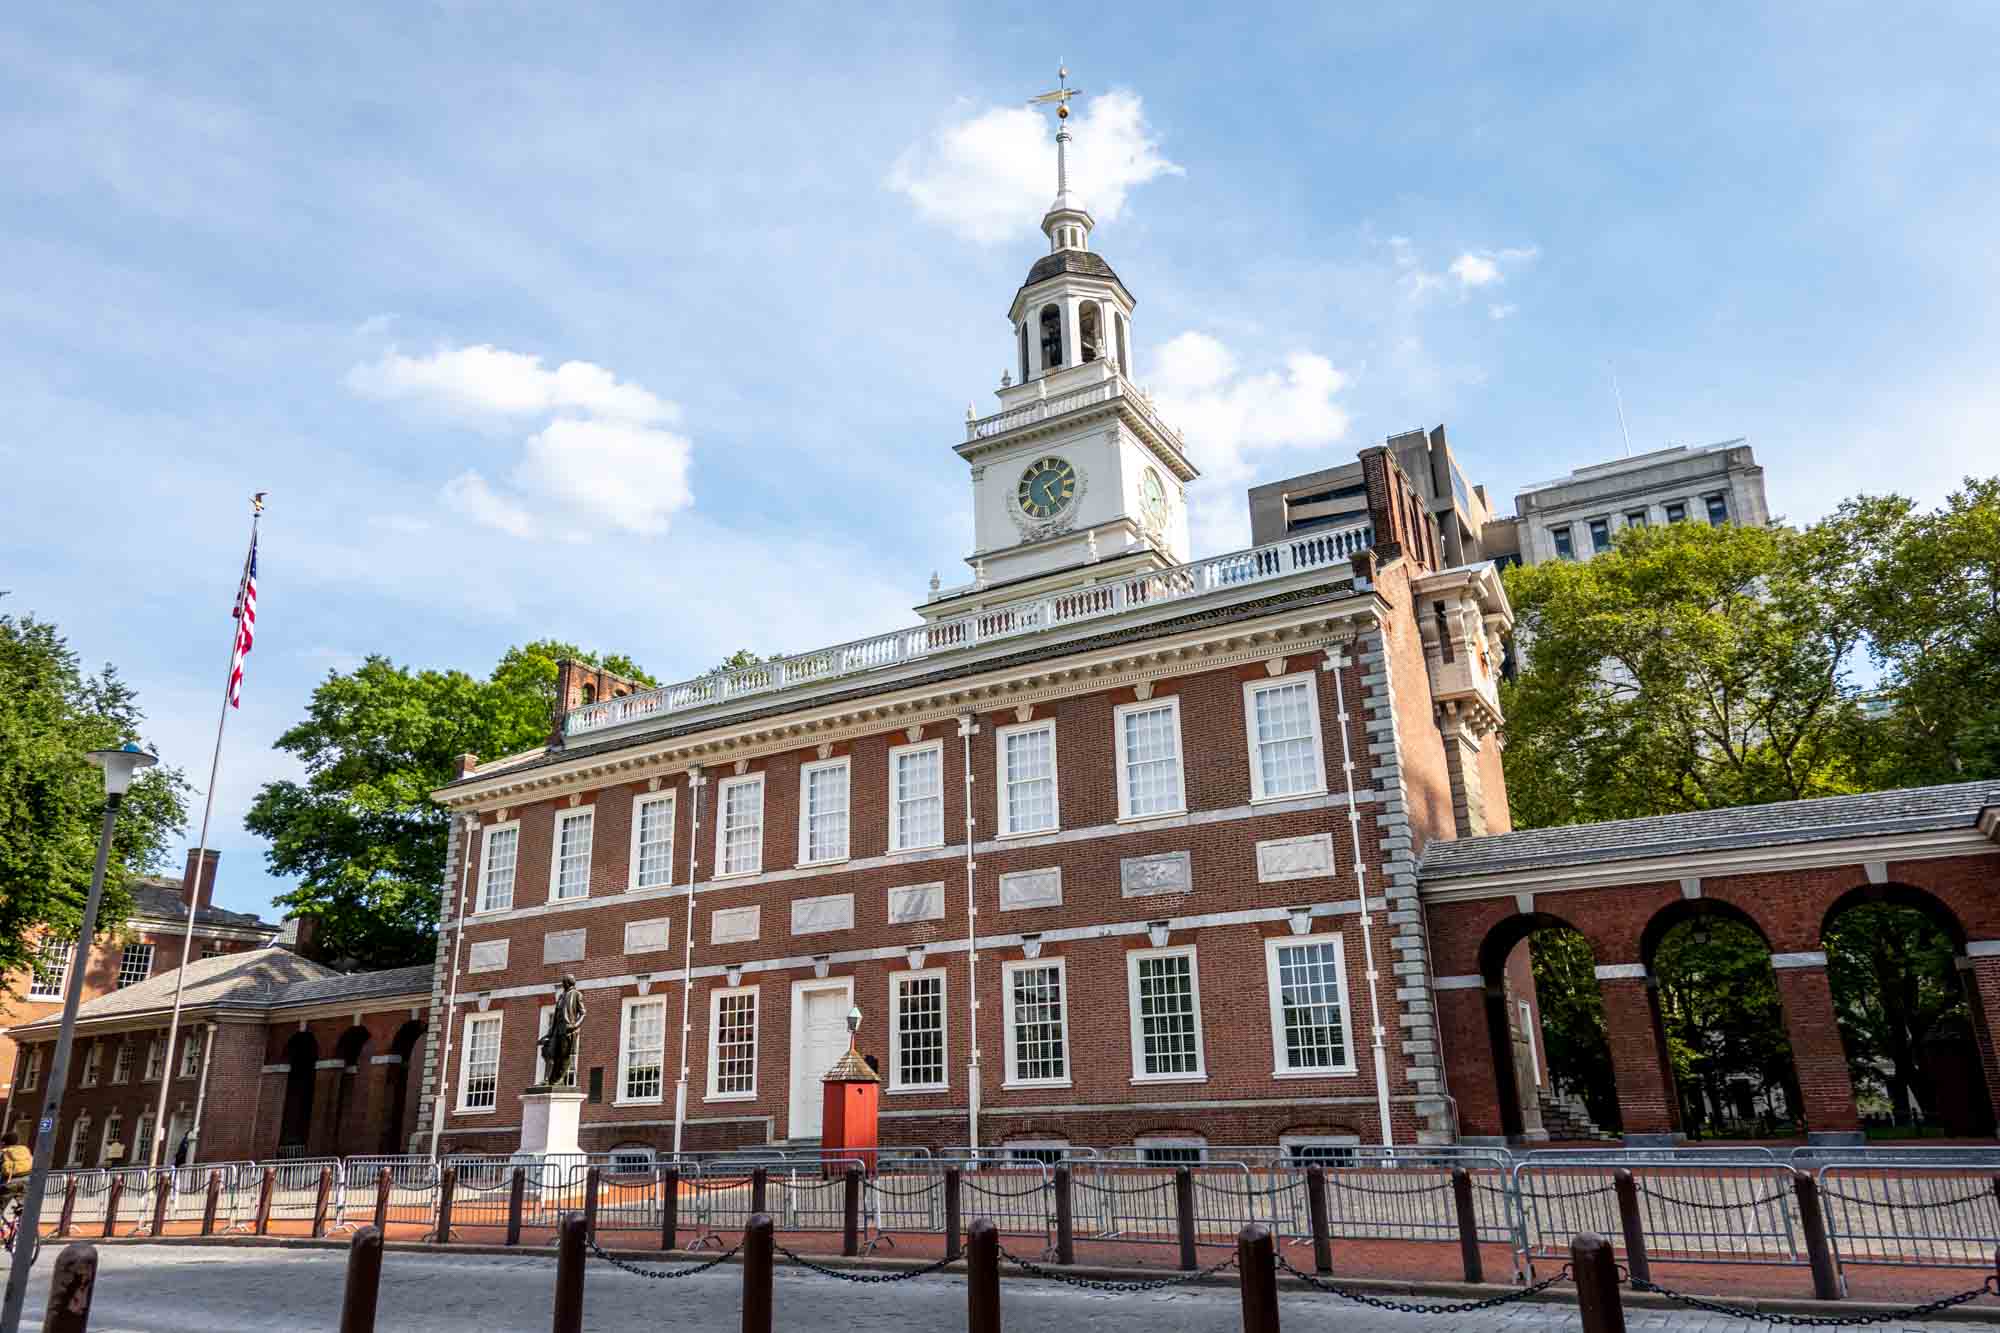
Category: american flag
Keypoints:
(246, 627)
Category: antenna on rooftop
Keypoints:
(1619, 399)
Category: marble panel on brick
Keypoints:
(1164, 872)
(562, 946)
(1308, 857)
(733, 925)
(1031, 888)
(815, 916)
(486, 956)
(645, 936)
(918, 902)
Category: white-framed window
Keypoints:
(916, 1017)
(142, 1142)
(1027, 778)
(79, 1136)
(212, 950)
(1307, 978)
(498, 851)
(135, 964)
(114, 1126)
(633, 1159)
(823, 788)
(542, 1018)
(121, 1063)
(732, 1044)
(93, 1061)
(653, 841)
(1677, 511)
(569, 863)
(479, 1063)
(31, 1069)
(739, 825)
(51, 969)
(1037, 1029)
(916, 796)
(642, 1049)
(155, 1059)
(1281, 717)
(1147, 737)
(1171, 1150)
(190, 1054)
(1164, 998)
(1049, 1152)
(1323, 1149)
(1528, 1031)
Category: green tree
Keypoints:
(1724, 1024)
(1572, 1015)
(361, 833)
(1689, 667)
(742, 657)
(1894, 984)
(51, 800)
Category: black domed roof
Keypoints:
(1085, 262)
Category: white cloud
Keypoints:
(1500, 310)
(468, 494)
(633, 477)
(1475, 270)
(982, 173)
(491, 381)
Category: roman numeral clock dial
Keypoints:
(1047, 487)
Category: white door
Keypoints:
(819, 1039)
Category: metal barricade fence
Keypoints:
(1741, 1210)
(1929, 1215)
(295, 1188)
(413, 1190)
(1130, 1202)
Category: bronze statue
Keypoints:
(558, 1044)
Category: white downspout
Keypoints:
(451, 994)
(968, 726)
(696, 781)
(1338, 661)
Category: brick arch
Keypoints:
(1495, 1101)
(1939, 912)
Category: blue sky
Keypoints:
(651, 327)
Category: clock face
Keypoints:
(1153, 496)
(1046, 487)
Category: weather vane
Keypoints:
(1060, 96)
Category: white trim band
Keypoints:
(1621, 971)
(1460, 983)
(1804, 958)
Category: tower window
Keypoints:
(1024, 351)
(1091, 337)
(1124, 356)
(1052, 341)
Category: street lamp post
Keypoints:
(119, 767)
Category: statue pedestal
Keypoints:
(548, 1129)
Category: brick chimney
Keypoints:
(203, 892)
(579, 683)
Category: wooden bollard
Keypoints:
(321, 1198)
(591, 1180)
(517, 1192)
(1632, 1224)
(670, 1207)
(1257, 1270)
(71, 1286)
(210, 1204)
(982, 1277)
(569, 1274)
(1316, 1216)
(954, 1237)
(1065, 1216)
(383, 1184)
(1596, 1275)
(264, 1200)
(758, 1242)
(68, 1217)
(1184, 1215)
(364, 1280)
(447, 1195)
(1468, 1226)
(850, 1212)
(111, 1199)
(162, 1190)
(759, 1180)
(1819, 1253)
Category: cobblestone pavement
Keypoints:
(174, 1289)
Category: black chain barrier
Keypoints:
(1982, 1195)
(1762, 1200)
(1424, 1307)
(1814, 1320)
(658, 1274)
(867, 1279)
(1034, 1269)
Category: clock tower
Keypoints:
(1075, 477)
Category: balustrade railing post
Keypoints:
(1596, 1275)
(1257, 1277)
(759, 1187)
(1065, 1215)
(850, 1210)
(670, 1207)
(954, 1240)
(210, 1204)
(364, 1281)
(982, 1277)
(383, 1184)
(758, 1242)
(1632, 1223)
(1819, 1253)
(1470, 1259)
(68, 1209)
(264, 1188)
(111, 1199)
(591, 1179)
(569, 1274)
(163, 1186)
(320, 1201)
(447, 1197)
(1316, 1217)
(517, 1193)
(71, 1287)
(1184, 1214)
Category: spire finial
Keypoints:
(1060, 96)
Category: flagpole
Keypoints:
(201, 858)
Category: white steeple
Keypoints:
(1067, 223)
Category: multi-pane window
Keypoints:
(1308, 992)
(1302, 1150)
(1565, 549)
(31, 1069)
(496, 874)
(135, 965)
(1166, 1014)
(1171, 1152)
(823, 811)
(916, 797)
(1049, 1152)
(155, 1059)
(569, 876)
(739, 834)
(1149, 759)
(1282, 718)
(79, 1136)
(1677, 512)
(641, 1076)
(1037, 1036)
(142, 1147)
(51, 970)
(1636, 519)
(732, 1043)
(93, 1062)
(1718, 509)
(1028, 778)
(114, 1129)
(190, 1055)
(653, 841)
(1600, 534)
(917, 1001)
(479, 1078)
(121, 1063)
